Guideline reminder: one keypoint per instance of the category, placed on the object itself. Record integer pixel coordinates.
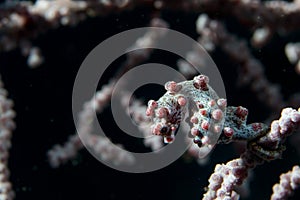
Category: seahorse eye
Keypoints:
(164, 130)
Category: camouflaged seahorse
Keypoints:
(211, 120)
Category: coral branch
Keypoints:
(288, 183)
(269, 147)
(6, 127)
